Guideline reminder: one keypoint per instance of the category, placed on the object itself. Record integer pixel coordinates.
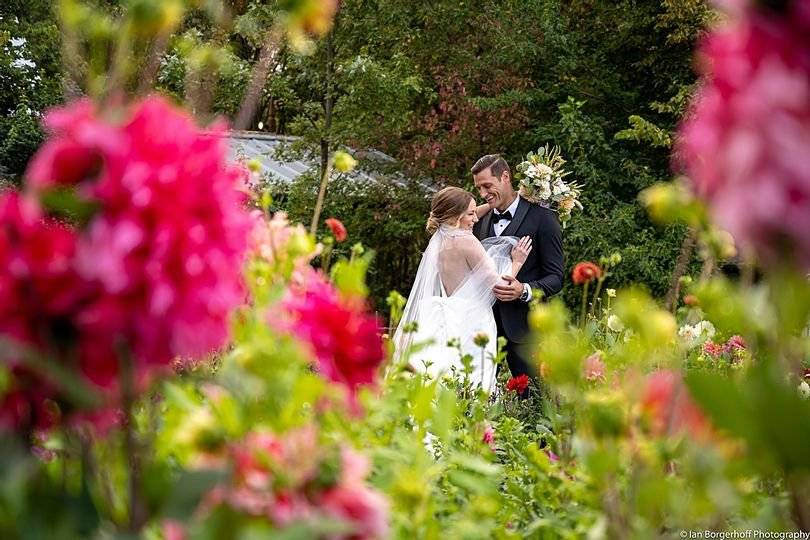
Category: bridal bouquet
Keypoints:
(541, 180)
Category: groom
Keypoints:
(542, 273)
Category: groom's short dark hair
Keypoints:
(495, 161)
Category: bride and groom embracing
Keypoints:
(481, 268)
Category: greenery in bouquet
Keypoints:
(541, 179)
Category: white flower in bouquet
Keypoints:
(541, 180)
(543, 190)
(542, 171)
(559, 188)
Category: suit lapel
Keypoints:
(483, 231)
(520, 214)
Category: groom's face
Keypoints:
(497, 191)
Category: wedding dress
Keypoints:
(452, 299)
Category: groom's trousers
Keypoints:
(518, 363)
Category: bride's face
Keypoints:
(468, 218)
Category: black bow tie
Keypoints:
(496, 217)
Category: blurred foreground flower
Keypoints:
(745, 141)
(294, 480)
(669, 407)
(152, 268)
(594, 367)
(488, 437)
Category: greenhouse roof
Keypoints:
(268, 148)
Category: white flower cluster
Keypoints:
(693, 335)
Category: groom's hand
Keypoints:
(510, 291)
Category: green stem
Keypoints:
(137, 510)
(583, 311)
(597, 292)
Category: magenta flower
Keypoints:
(155, 269)
(345, 339)
(489, 437)
(38, 291)
(169, 241)
(734, 343)
(745, 140)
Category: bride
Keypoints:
(451, 298)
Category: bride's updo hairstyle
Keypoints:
(447, 207)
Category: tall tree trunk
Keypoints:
(681, 265)
(258, 79)
(327, 127)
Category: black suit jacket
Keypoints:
(543, 269)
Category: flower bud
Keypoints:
(343, 162)
(481, 339)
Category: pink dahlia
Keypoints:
(290, 479)
(345, 339)
(154, 269)
(745, 140)
(734, 343)
(489, 437)
(166, 245)
(351, 500)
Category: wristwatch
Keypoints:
(524, 296)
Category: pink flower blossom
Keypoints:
(734, 343)
(594, 367)
(489, 437)
(285, 480)
(174, 530)
(745, 140)
(364, 509)
(344, 338)
(715, 350)
(168, 243)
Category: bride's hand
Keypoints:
(522, 249)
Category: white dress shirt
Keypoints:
(504, 223)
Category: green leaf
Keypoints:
(189, 489)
